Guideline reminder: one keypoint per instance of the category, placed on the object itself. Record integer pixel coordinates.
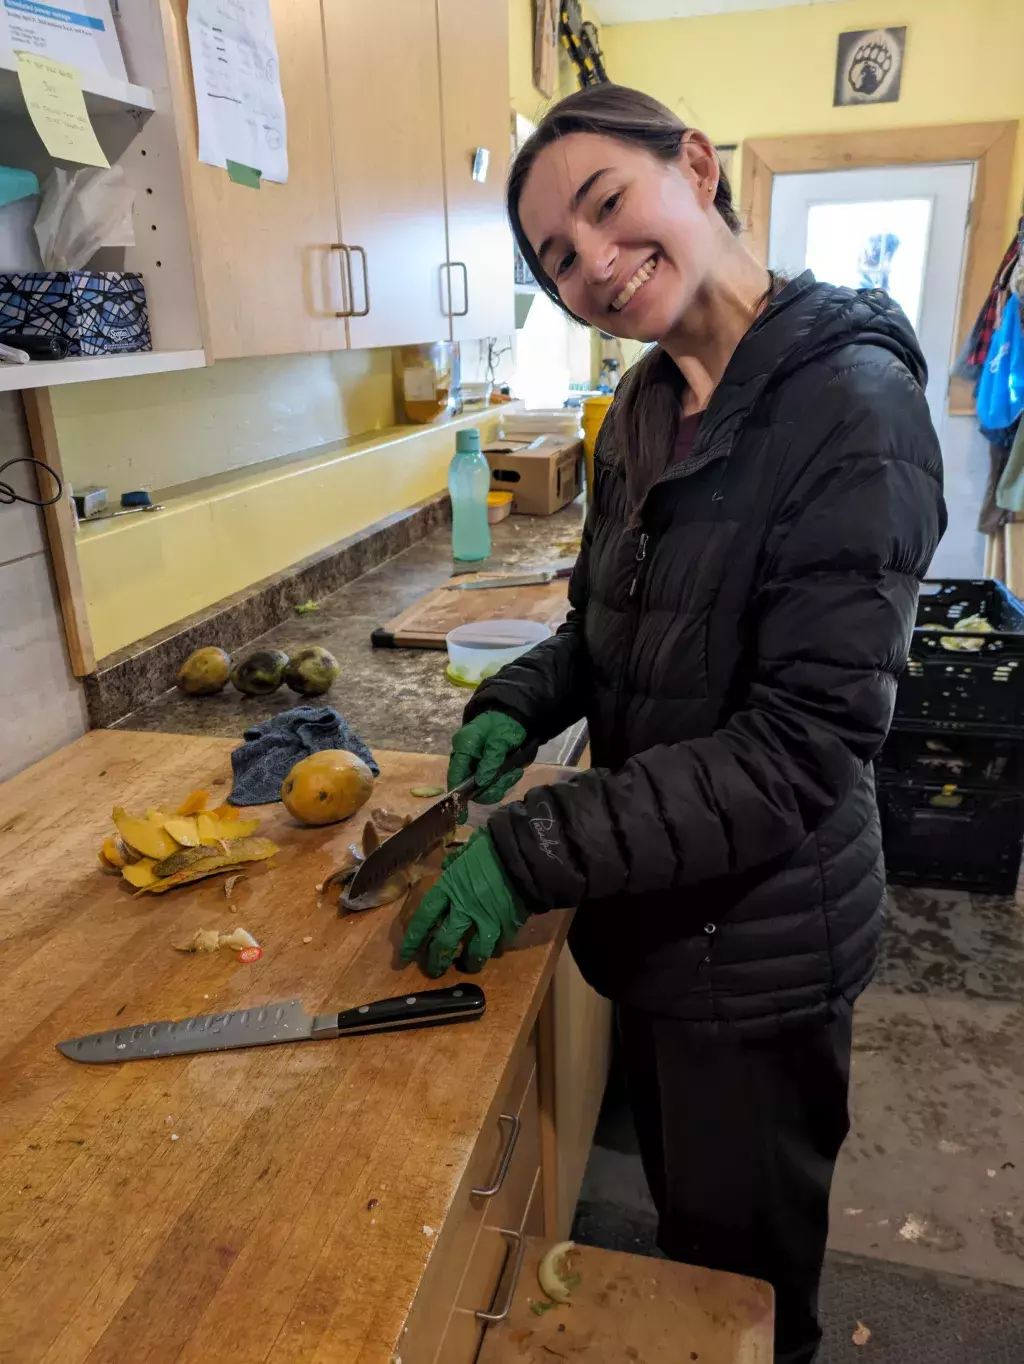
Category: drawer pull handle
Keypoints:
(506, 1156)
(499, 1314)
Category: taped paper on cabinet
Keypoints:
(81, 33)
(239, 105)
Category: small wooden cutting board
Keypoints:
(426, 623)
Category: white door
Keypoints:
(899, 228)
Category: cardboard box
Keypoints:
(542, 475)
(96, 312)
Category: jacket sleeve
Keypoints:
(833, 616)
(546, 689)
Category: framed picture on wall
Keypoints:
(869, 66)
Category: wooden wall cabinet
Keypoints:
(474, 59)
(385, 119)
(271, 275)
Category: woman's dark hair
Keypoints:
(645, 415)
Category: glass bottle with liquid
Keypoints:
(423, 381)
(469, 482)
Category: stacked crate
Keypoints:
(951, 774)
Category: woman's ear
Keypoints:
(700, 161)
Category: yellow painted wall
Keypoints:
(142, 573)
(765, 73)
(162, 430)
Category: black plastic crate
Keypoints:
(980, 691)
(946, 837)
(912, 757)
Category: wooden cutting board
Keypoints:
(265, 1204)
(425, 624)
(630, 1307)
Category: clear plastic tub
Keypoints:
(478, 650)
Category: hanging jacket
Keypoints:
(735, 655)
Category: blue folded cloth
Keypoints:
(273, 748)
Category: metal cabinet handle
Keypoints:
(465, 283)
(506, 1156)
(359, 312)
(346, 277)
(519, 1241)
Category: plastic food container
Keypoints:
(499, 505)
(478, 650)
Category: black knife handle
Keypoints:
(419, 1009)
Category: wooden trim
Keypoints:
(546, 1095)
(60, 532)
(989, 145)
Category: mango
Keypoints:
(144, 835)
(183, 829)
(327, 787)
(311, 671)
(204, 672)
(261, 673)
(140, 874)
(213, 830)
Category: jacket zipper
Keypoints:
(641, 555)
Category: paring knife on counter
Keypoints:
(537, 578)
(425, 831)
(267, 1024)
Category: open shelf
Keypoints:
(41, 373)
(103, 94)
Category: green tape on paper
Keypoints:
(244, 175)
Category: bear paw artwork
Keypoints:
(869, 65)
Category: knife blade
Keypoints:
(539, 578)
(269, 1024)
(424, 833)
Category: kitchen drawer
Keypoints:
(494, 1253)
(465, 1217)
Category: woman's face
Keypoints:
(627, 238)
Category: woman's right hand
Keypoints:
(480, 749)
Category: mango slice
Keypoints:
(192, 864)
(213, 830)
(193, 803)
(140, 874)
(144, 835)
(183, 830)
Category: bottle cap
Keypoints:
(468, 441)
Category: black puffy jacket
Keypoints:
(736, 658)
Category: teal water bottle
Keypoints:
(469, 482)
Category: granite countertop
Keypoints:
(393, 698)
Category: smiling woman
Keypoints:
(768, 494)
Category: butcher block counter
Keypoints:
(309, 1202)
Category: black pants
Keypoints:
(739, 1139)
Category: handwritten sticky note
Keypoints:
(56, 105)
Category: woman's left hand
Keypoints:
(473, 896)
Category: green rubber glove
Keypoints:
(480, 748)
(472, 897)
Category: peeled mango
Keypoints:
(327, 787)
(168, 848)
(311, 671)
(261, 673)
(204, 672)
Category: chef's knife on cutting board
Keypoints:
(426, 831)
(267, 1024)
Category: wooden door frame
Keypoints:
(989, 145)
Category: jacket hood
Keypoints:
(806, 321)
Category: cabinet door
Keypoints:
(386, 117)
(476, 114)
(271, 279)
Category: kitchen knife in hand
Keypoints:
(426, 831)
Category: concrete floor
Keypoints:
(932, 1175)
